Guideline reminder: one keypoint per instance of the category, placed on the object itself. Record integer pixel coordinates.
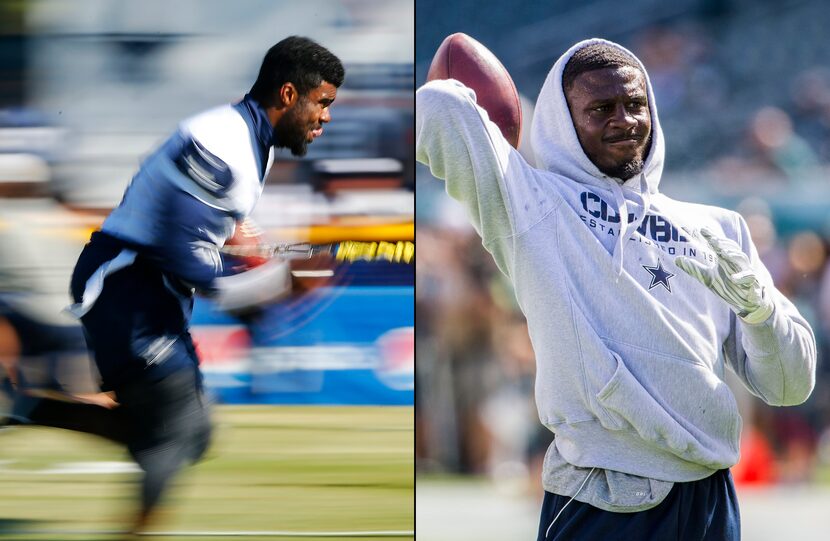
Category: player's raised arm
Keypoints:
(467, 117)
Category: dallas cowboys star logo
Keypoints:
(659, 276)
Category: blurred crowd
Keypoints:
(735, 127)
(747, 128)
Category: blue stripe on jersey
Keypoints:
(262, 133)
(206, 170)
(189, 251)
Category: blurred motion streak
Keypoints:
(88, 89)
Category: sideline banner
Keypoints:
(335, 345)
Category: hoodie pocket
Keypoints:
(680, 406)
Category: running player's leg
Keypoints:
(137, 331)
(171, 429)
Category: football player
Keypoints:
(134, 282)
(636, 303)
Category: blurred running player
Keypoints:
(134, 282)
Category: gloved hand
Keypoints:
(253, 288)
(732, 279)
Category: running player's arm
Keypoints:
(195, 216)
(200, 216)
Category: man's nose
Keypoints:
(623, 117)
(326, 116)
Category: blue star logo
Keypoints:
(659, 276)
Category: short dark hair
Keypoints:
(594, 57)
(297, 60)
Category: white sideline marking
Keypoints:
(390, 533)
(93, 468)
(74, 468)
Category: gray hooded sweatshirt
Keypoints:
(630, 350)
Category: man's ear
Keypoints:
(288, 95)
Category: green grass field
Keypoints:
(271, 468)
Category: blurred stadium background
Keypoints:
(743, 90)
(89, 87)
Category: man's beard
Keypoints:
(291, 133)
(630, 168)
(625, 170)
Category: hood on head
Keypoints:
(553, 136)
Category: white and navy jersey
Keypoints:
(183, 203)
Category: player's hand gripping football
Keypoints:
(732, 279)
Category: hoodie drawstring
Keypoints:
(625, 226)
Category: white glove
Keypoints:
(732, 279)
(259, 286)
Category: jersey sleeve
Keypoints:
(196, 232)
(183, 203)
(203, 168)
(197, 219)
(223, 145)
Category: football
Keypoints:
(247, 235)
(462, 58)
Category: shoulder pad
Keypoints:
(204, 168)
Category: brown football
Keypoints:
(462, 58)
(248, 235)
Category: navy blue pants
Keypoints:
(138, 328)
(137, 331)
(705, 510)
